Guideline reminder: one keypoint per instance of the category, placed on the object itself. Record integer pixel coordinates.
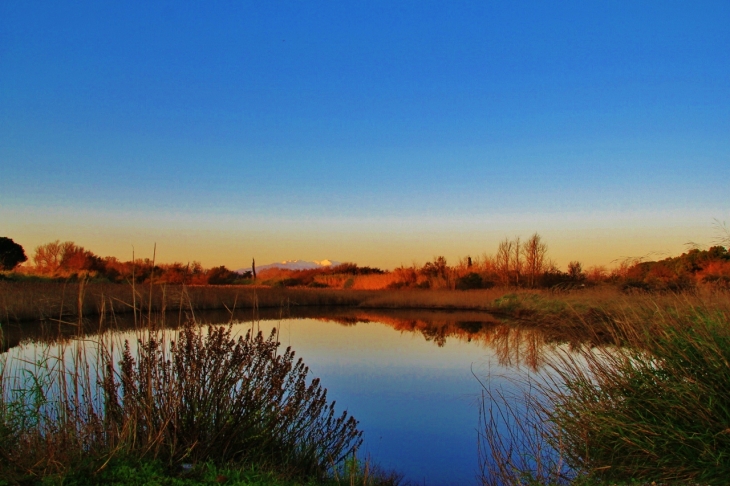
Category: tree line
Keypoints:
(516, 263)
(67, 260)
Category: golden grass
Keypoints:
(24, 301)
(578, 309)
(435, 299)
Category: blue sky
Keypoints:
(380, 132)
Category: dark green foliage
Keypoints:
(291, 282)
(222, 276)
(437, 268)
(554, 278)
(351, 269)
(129, 471)
(469, 281)
(11, 254)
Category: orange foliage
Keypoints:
(596, 273)
(65, 259)
(374, 282)
(716, 272)
(274, 273)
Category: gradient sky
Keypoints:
(376, 132)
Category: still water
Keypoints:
(412, 379)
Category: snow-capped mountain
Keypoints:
(293, 265)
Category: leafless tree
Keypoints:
(56, 258)
(48, 257)
(517, 260)
(503, 260)
(534, 251)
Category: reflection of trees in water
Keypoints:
(514, 344)
(517, 345)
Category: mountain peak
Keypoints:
(294, 265)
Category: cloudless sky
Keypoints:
(376, 132)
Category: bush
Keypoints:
(469, 281)
(11, 254)
(202, 398)
(231, 401)
(221, 276)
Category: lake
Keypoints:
(413, 379)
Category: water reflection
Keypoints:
(514, 343)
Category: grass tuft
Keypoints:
(652, 405)
(658, 407)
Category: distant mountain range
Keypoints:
(293, 265)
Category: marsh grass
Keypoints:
(25, 301)
(637, 389)
(187, 396)
(656, 408)
(653, 404)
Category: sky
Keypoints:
(379, 132)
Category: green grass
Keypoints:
(650, 404)
(658, 407)
(131, 471)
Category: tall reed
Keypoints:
(655, 408)
(653, 405)
(190, 397)
(517, 444)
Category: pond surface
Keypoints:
(412, 379)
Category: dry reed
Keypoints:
(179, 397)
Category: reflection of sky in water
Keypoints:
(418, 403)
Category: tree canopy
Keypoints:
(11, 254)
